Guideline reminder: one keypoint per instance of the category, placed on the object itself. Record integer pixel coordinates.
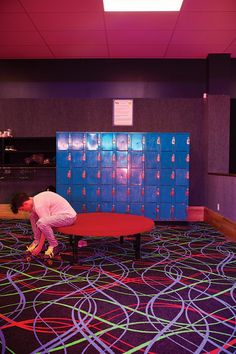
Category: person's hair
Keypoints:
(17, 201)
(50, 188)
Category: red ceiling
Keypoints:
(60, 29)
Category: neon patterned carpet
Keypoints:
(180, 298)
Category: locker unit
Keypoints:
(138, 173)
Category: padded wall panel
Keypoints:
(138, 173)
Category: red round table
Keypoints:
(107, 225)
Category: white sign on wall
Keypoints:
(122, 112)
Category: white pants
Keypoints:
(45, 225)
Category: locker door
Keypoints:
(182, 142)
(136, 141)
(107, 141)
(122, 141)
(152, 142)
(165, 211)
(92, 141)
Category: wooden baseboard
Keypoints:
(224, 225)
(195, 213)
(6, 213)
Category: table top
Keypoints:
(108, 224)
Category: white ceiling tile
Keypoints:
(25, 52)
(17, 38)
(74, 37)
(10, 6)
(81, 29)
(138, 37)
(15, 22)
(80, 51)
(66, 21)
(64, 6)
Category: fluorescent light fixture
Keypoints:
(142, 5)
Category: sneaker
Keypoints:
(49, 253)
(33, 245)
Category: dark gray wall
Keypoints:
(40, 97)
(44, 117)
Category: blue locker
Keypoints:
(91, 159)
(106, 193)
(65, 191)
(167, 141)
(180, 211)
(165, 211)
(77, 141)
(92, 175)
(136, 177)
(152, 142)
(78, 176)
(91, 207)
(181, 177)
(64, 176)
(181, 159)
(136, 194)
(182, 142)
(107, 141)
(106, 207)
(122, 141)
(165, 194)
(107, 158)
(121, 159)
(140, 173)
(62, 141)
(121, 175)
(77, 205)
(92, 141)
(78, 193)
(121, 208)
(121, 193)
(167, 159)
(91, 192)
(137, 142)
(106, 176)
(64, 158)
(151, 194)
(151, 177)
(136, 208)
(150, 210)
(167, 177)
(77, 158)
(136, 158)
(153, 159)
(181, 194)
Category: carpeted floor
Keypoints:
(179, 299)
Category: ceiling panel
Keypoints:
(54, 6)
(80, 29)
(70, 37)
(67, 21)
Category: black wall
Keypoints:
(40, 97)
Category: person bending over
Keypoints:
(47, 210)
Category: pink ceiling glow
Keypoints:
(63, 29)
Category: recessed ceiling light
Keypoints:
(142, 5)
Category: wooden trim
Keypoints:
(6, 213)
(224, 225)
(195, 213)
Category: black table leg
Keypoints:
(137, 246)
(74, 245)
